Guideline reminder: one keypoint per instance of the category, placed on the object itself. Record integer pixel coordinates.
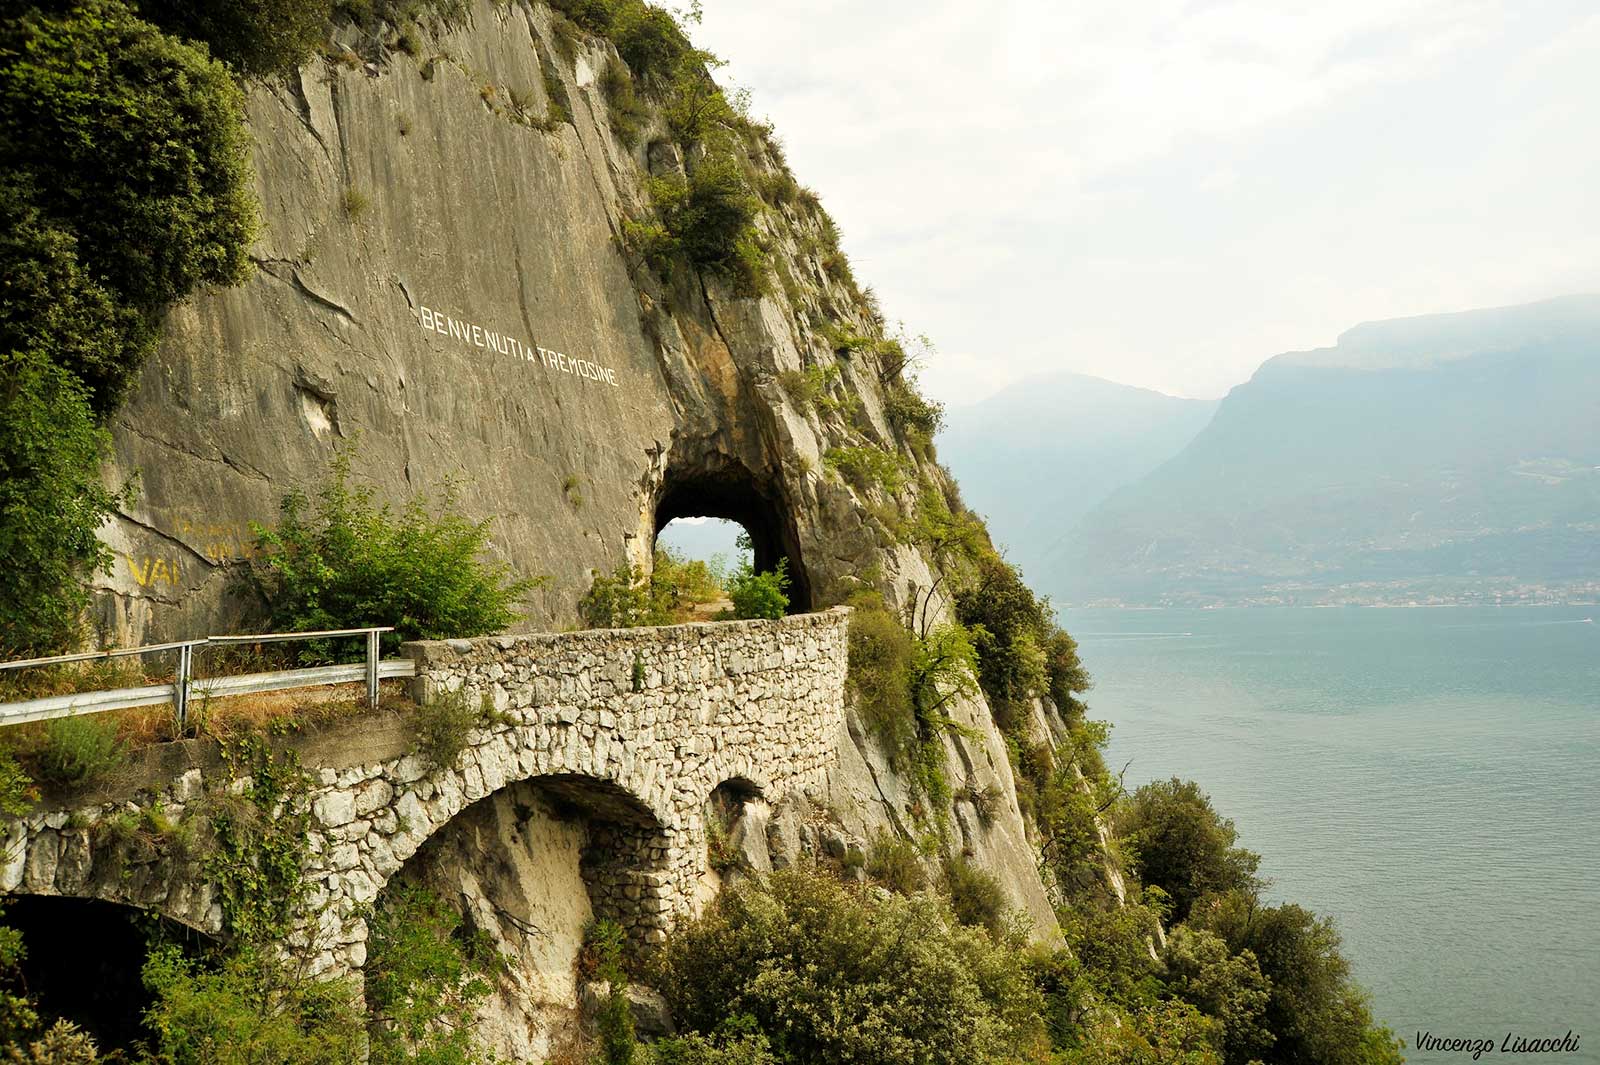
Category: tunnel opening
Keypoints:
(83, 962)
(703, 505)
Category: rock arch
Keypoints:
(719, 486)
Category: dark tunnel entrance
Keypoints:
(731, 493)
(83, 962)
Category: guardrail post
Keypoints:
(372, 668)
(180, 687)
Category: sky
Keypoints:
(1167, 193)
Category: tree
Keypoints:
(1230, 987)
(259, 37)
(52, 501)
(127, 160)
(1318, 1015)
(1182, 845)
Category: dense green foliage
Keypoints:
(1013, 628)
(51, 502)
(627, 598)
(124, 186)
(759, 595)
(1314, 1010)
(79, 749)
(1181, 845)
(426, 975)
(339, 560)
(249, 1009)
(258, 37)
(130, 145)
(829, 974)
(705, 220)
(879, 672)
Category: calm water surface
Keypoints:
(1426, 777)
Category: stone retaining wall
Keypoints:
(635, 726)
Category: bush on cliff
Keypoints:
(259, 37)
(124, 186)
(125, 152)
(1182, 845)
(339, 559)
(827, 973)
(706, 220)
(52, 501)
(1314, 1009)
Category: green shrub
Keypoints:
(1229, 987)
(593, 15)
(604, 943)
(52, 501)
(624, 599)
(259, 37)
(896, 863)
(1182, 845)
(133, 143)
(648, 39)
(879, 673)
(79, 750)
(52, 302)
(627, 112)
(725, 1048)
(440, 726)
(628, 599)
(1314, 1009)
(340, 560)
(914, 416)
(976, 896)
(831, 974)
(425, 977)
(17, 791)
(250, 1009)
(707, 220)
(760, 595)
(866, 468)
(63, 1043)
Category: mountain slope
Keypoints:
(1037, 456)
(1443, 457)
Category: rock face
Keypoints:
(441, 286)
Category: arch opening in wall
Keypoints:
(528, 869)
(699, 510)
(83, 962)
(736, 818)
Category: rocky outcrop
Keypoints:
(441, 287)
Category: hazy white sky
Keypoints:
(1165, 193)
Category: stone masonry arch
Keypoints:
(655, 718)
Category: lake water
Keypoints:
(1427, 777)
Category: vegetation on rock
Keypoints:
(340, 559)
(124, 186)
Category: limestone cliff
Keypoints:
(442, 282)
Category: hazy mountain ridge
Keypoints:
(1038, 455)
(1450, 457)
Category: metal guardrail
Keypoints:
(184, 685)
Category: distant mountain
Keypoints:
(1037, 456)
(1451, 457)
